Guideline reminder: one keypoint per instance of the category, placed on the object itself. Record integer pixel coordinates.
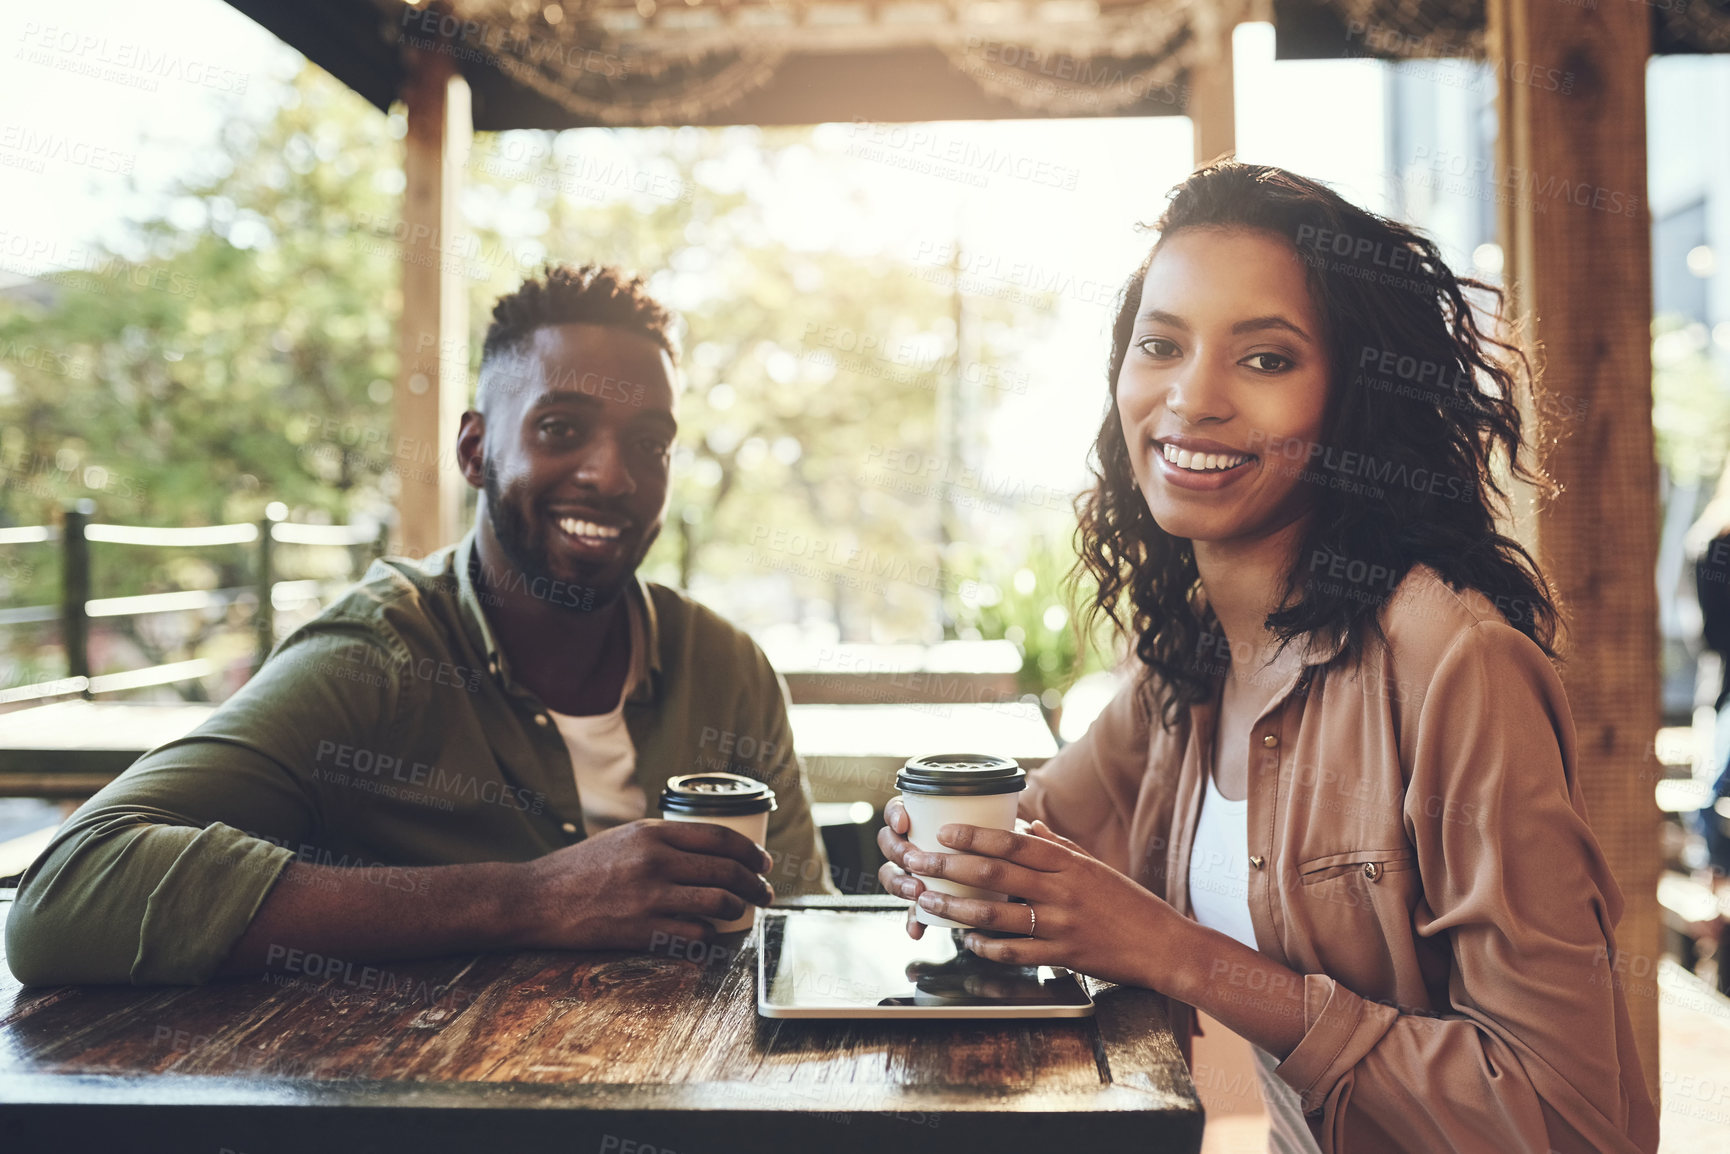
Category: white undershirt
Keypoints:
(1219, 866)
(1219, 898)
(602, 757)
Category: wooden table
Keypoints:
(74, 748)
(610, 1053)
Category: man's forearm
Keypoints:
(380, 914)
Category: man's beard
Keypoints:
(517, 538)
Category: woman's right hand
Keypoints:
(892, 840)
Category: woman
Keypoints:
(1346, 756)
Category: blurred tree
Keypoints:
(1025, 599)
(241, 361)
(247, 356)
(809, 444)
(1690, 401)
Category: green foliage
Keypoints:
(1690, 403)
(237, 363)
(804, 369)
(249, 355)
(181, 387)
(1028, 601)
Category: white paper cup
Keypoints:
(740, 803)
(959, 788)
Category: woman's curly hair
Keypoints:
(1449, 409)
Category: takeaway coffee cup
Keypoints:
(967, 788)
(730, 799)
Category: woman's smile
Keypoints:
(1199, 465)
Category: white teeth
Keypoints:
(577, 528)
(1201, 462)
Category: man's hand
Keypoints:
(618, 889)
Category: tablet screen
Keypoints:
(862, 964)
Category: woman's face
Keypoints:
(1224, 386)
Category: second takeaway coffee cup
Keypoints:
(740, 803)
(966, 788)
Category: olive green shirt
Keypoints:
(385, 733)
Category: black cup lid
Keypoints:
(961, 775)
(716, 795)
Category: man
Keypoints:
(459, 754)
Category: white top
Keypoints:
(1219, 866)
(1219, 897)
(602, 756)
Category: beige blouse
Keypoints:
(1419, 851)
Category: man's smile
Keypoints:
(596, 535)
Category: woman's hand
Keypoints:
(892, 840)
(1085, 916)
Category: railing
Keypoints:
(77, 608)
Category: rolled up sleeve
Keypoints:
(156, 877)
(1533, 1051)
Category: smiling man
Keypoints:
(462, 753)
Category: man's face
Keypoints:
(573, 452)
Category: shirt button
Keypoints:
(493, 668)
(569, 827)
(541, 719)
(1256, 860)
(1270, 741)
(1372, 870)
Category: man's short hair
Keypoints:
(586, 295)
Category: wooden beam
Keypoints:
(432, 335)
(1211, 105)
(1576, 235)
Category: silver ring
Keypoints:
(1032, 923)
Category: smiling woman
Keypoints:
(1336, 809)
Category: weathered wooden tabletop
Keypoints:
(602, 1052)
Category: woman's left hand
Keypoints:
(1086, 915)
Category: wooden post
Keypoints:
(1576, 234)
(75, 588)
(1212, 110)
(432, 377)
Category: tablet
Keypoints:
(862, 964)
